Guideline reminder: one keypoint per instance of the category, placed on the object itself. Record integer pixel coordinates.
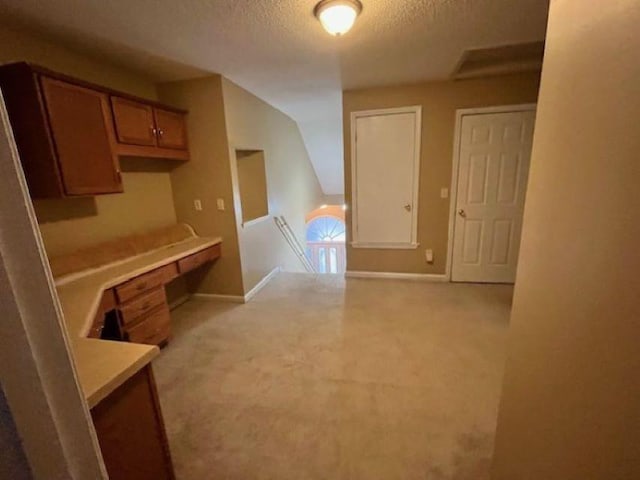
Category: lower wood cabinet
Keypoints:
(153, 329)
(131, 431)
(137, 310)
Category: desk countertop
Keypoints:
(103, 365)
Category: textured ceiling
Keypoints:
(277, 49)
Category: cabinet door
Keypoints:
(172, 129)
(131, 431)
(134, 122)
(81, 127)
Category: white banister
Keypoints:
(294, 243)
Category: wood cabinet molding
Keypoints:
(37, 69)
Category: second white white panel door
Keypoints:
(495, 150)
(385, 170)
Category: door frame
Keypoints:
(453, 190)
(417, 110)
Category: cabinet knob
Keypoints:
(154, 132)
(160, 132)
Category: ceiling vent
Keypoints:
(501, 60)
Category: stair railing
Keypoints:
(294, 243)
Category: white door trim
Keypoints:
(417, 110)
(36, 364)
(453, 197)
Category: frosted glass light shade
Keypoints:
(338, 16)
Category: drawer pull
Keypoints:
(141, 286)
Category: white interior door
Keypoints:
(493, 167)
(385, 163)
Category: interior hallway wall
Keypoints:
(292, 185)
(147, 203)
(439, 101)
(334, 199)
(207, 177)
(570, 406)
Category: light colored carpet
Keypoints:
(322, 378)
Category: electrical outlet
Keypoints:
(444, 192)
(197, 204)
(429, 255)
(220, 204)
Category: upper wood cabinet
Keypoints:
(70, 133)
(134, 122)
(79, 120)
(63, 132)
(172, 129)
(142, 125)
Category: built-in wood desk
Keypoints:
(116, 376)
(138, 306)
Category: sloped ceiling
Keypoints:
(277, 49)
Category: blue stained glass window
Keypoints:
(326, 229)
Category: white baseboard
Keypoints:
(261, 284)
(242, 298)
(421, 277)
(222, 298)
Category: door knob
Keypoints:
(462, 213)
(407, 207)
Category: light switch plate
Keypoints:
(197, 204)
(220, 204)
(444, 192)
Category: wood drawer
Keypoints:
(194, 261)
(141, 284)
(169, 272)
(130, 311)
(154, 328)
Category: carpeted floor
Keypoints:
(322, 378)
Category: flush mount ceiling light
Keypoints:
(337, 16)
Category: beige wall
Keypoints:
(292, 186)
(439, 101)
(571, 400)
(207, 177)
(222, 118)
(13, 462)
(333, 199)
(147, 202)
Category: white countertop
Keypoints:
(104, 365)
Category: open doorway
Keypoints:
(325, 236)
